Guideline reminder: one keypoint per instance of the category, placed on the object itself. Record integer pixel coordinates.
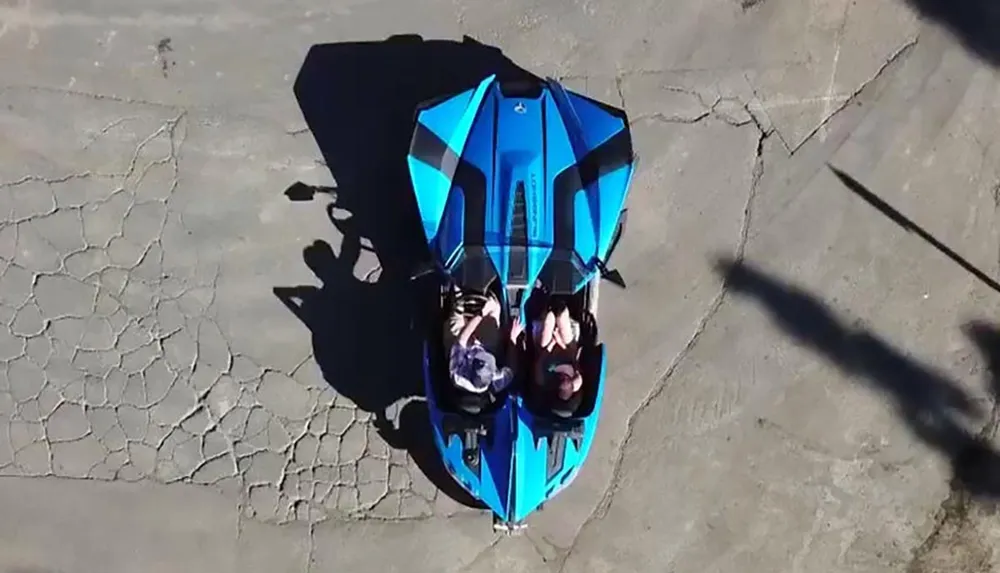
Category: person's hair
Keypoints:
(565, 389)
(483, 374)
(564, 381)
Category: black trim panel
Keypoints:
(432, 150)
(555, 456)
(528, 88)
(472, 182)
(517, 273)
(614, 153)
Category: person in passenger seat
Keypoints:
(556, 370)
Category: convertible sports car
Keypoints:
(521, 187)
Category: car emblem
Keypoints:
(519, 108)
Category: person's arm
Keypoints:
(470, 326)
(456, 358)
(510, 355)
(514, 346)
(491, 309)
(578, 382)
(505, 379)
(548, 331)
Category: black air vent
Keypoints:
(529, 89)
(518, 274)
(519, 223)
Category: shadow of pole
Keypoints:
(359, 101)
(908, 225)
(932, 406)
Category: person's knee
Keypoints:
(548, 329)
(549, 320)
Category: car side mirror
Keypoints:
(610, 275)
(614, 277)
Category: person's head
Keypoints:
(567, 377)
(565, 389)
(483, 369)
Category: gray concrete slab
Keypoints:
(796, 383)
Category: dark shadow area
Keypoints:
(977, 464)
(412, 433)
(908, 225)
(351, 322)
(299, 191)
(936, 409)
(359, 102)
(362, 335)
(973, 22)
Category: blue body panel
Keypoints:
(543, 467)
(451, 121)
(492, 483)
(567, 158)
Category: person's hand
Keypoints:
(491, 308)
(516, 329)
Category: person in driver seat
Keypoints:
(557, 366)
(474, 339)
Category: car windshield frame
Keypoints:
(472, 261)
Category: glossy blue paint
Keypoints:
(471, 154)
(492, 484)
(510, 143)
(533, 484)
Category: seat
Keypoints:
(451, 398)
(581, 404)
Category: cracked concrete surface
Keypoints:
(161, 410)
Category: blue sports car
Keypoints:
(521, 187)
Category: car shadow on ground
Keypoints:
(936, 409)
(359, 101)
(973, 22)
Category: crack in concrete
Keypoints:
(954, 532)
(48, 181)
(664, 118)
(192, 440)
(607, 499)
(311, 547)
(620, 91)
(748, 5)
(96, 96)
(104, 130)
(243, 445)
(482, 554)
(221, 109)
(832, 84)
(711, 110)
(898, 56)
